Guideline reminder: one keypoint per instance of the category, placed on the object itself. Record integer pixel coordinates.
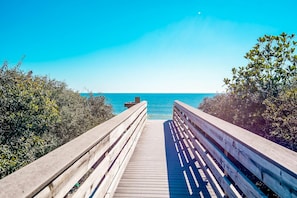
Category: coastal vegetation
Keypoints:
(38, 114)
(262, 96)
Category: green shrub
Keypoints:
(38, 114)
(261, 96)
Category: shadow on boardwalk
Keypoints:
(184, 178)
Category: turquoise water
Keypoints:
(159, 105)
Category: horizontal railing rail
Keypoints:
(233, 158)
(89, 165)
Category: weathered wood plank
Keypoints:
(154, 169)
(248, 188)
(95, 177)
(199, 150)
(54, 169)
(124, 159)
(101, 173)
(142, 163)
(125, 153)
(276, 166)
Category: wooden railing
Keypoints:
(233, 158)
(90, 165)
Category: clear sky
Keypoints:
(138, 45)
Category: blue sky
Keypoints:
(131, 46)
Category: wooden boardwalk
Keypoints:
(162, 166)
(163, 162)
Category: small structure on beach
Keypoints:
(130, 104)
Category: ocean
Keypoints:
(160, 105)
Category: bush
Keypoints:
(281, 118)
(261, 96)
(38, 114)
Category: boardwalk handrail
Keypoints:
(99, 156)
(226, 151)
